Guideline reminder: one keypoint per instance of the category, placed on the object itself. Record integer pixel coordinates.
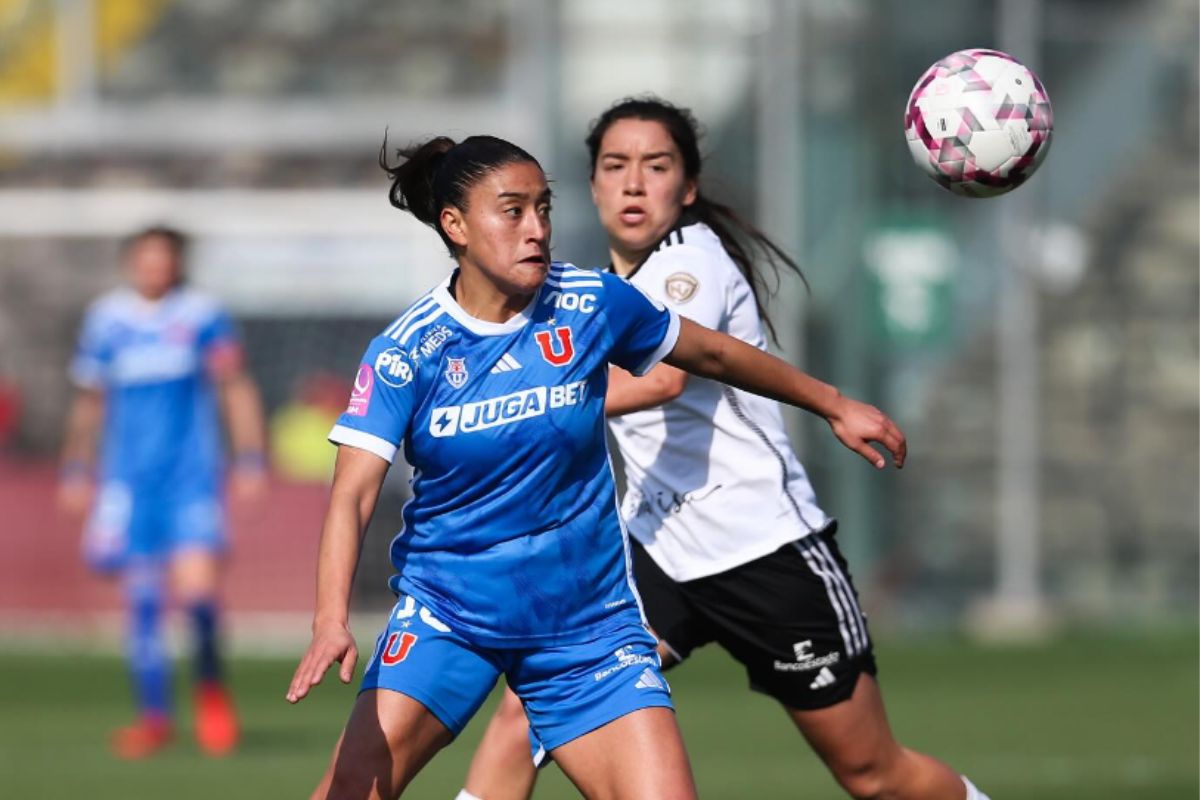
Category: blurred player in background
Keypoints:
(155, 364)
(512, 560)
(729, 544)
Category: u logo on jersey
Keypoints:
(558, 353)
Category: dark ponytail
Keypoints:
(740, 238)
(440, 173)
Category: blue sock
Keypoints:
(148, 662)
(204, 624)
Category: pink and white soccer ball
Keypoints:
(979, 122)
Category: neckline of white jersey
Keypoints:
(481, 326)
(686, 220)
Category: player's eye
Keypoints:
(544, 209)
(658, 167)
(513, 211)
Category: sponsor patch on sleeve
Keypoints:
(360, 396)
(681, 287)
(393, 367)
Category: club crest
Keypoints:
(456, 372)
(681, 287)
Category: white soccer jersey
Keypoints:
(711, 479)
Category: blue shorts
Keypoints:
(128, 524)
(567, 691)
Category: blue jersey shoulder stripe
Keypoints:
(573, 281)
(420, 306)
(417, 325)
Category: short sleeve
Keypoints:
(93, 352)
(381, 401)
(218, 330)
(643, 331)
(687, 280)
(220, 346)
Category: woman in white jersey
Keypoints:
(512, 559)
(730, 545)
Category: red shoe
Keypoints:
(216, 721)
(143, 738)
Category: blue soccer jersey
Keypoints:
(151, 358)
(512, 535)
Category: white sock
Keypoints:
(972, 792)
(465, 795)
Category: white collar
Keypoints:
(479, 326)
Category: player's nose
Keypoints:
(633, 184)
(537, 227)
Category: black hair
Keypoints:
(440, 173)
(729, 227)
(176, 239)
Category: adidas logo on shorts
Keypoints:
(648, 680)
(824, 678)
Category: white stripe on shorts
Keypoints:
(821, 552)
(860, 622)
(834, 599)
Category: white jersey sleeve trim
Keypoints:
(665, 346)
(363, 441)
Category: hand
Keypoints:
(75, 496)
(855, 424)
(331, 642)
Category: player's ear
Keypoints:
(690, 190)
(455, 225)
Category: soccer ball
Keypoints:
(978, 122)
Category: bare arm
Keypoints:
(627, 393)
(714, 355)
(242, 409)
(356, 482)
(79, 451)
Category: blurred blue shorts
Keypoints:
(147, 525)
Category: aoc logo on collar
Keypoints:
(556, 345)
(393, 368)
(681, 287)
(456, 372)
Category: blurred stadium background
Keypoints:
(1040, 349)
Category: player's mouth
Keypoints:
(632, 215)
(537, 259)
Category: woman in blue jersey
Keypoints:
(730, 545)
(512, 559)
(155, 362)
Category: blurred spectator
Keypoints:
(299, 448)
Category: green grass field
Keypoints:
(1087, 717)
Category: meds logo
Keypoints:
(393, 368)
(431, 341)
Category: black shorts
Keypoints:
(791, 617)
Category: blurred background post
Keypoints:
(1040, 349)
